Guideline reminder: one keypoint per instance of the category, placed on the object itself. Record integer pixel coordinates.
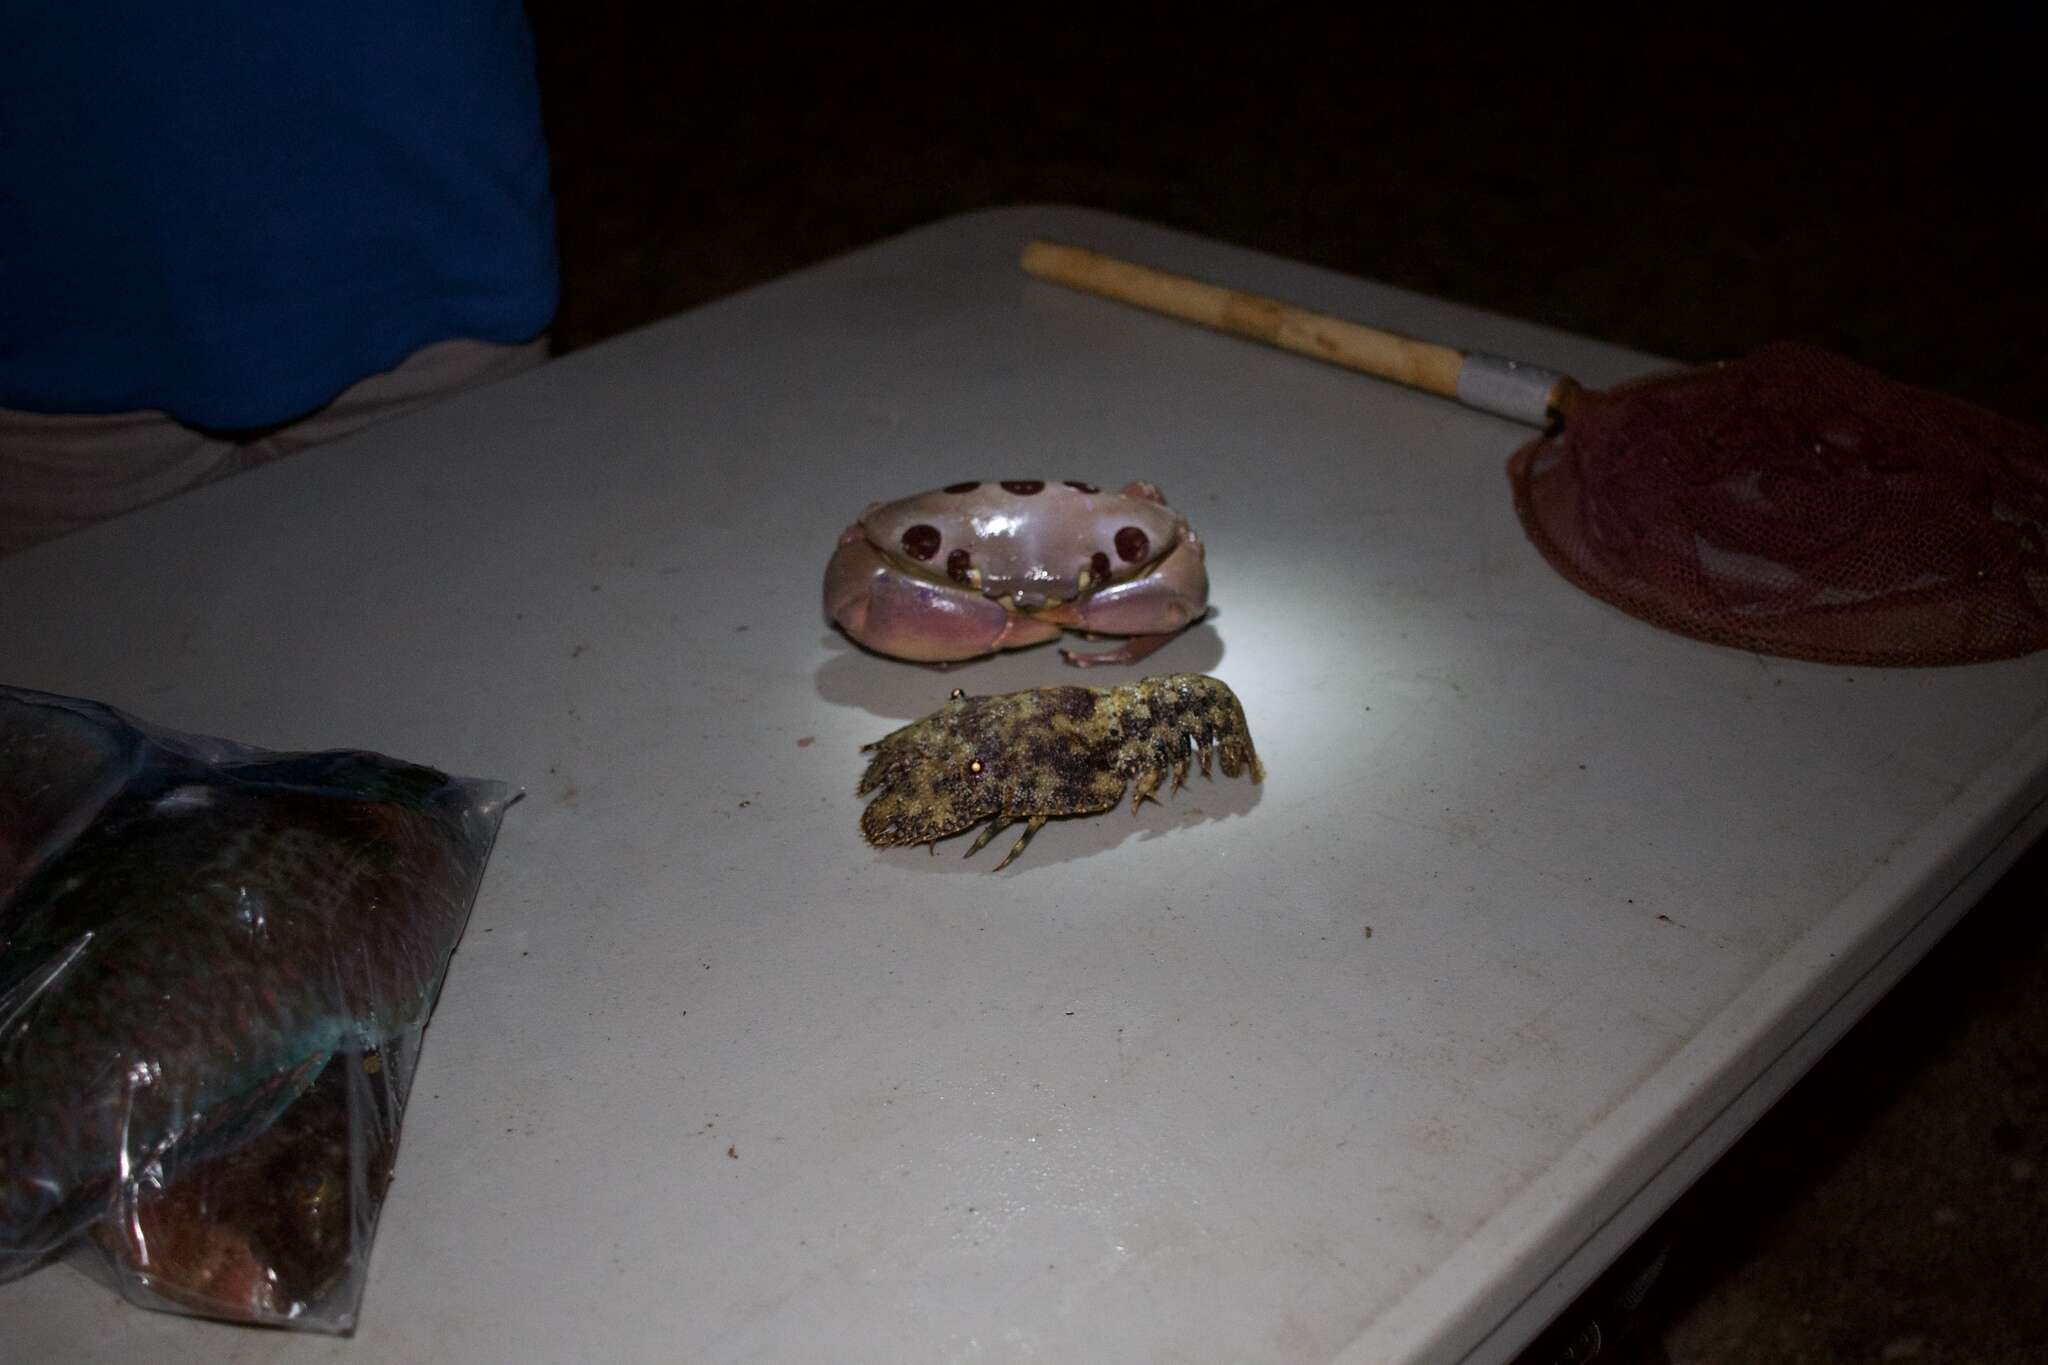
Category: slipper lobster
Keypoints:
(1048, 752)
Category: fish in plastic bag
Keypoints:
(216, 964)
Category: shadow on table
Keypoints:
(1182, 820)
(899, 691)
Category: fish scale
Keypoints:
(179, 973)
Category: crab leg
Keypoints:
(1129, 652)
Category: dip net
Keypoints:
(1795, 503)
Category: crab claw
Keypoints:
(1151, 609)
(897, 613)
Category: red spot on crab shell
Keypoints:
(1098, 565)
(1023, 487)
(957, 565)
(922, 542)
(1080, 487)
(967, 487)
(1131, 544)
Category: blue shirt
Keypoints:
(231, 210)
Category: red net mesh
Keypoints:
(1795, 503)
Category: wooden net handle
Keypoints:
(1508, 388)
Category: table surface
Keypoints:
(1381, 1060)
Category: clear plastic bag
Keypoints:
(216, 966)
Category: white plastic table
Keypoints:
(1384, 1060)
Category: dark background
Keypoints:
(1691, 183)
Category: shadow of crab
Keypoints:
(897, 691)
